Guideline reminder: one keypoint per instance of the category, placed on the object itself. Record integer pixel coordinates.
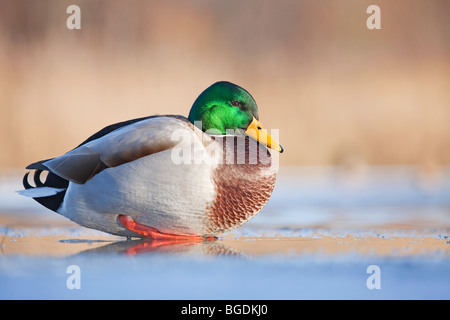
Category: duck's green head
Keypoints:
(225, 105)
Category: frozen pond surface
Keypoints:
(321, 230)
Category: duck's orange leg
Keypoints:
(149, 232)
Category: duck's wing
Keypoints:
(114, 146)
(99, 152)
(50, 192)
(39, 164)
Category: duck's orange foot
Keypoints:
(149, 232)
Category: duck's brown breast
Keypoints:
(242, 187)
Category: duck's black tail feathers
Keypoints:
(49, 192)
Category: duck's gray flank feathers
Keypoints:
(52, 191)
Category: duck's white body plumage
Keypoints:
(176, 202)
(156, 171)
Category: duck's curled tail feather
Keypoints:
(49, 192)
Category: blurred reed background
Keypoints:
(338, 92)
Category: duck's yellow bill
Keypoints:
(257, 132)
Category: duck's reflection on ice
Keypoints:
(144, 246)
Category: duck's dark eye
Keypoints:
(259, 128)
(235, 103)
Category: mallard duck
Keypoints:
(166, 176)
